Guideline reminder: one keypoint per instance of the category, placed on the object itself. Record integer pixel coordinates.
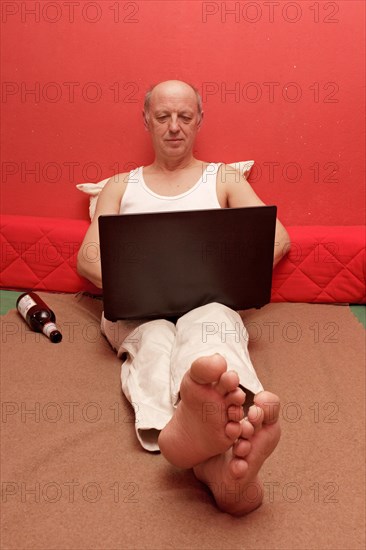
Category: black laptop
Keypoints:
(167, 263)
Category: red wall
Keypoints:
(282, 83)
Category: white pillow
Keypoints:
(243, 166)
(93, 189)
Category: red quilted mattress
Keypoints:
(325, 264)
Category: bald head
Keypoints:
(176, 88)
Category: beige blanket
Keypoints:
(74, 476)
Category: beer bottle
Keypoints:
(38, 315)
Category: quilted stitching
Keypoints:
(332, 269)
(325, 264)
(41, 253)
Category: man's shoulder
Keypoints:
(228, 174)
(116, 185)
(119, 181)
(121, 177)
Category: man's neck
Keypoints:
(172, 164)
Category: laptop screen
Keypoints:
(167, 263)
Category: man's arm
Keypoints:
(239, 193)
(109, 201)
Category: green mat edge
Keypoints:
(8, 300)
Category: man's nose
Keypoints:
(173, 124)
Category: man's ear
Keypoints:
(146, 124)
(199, 124)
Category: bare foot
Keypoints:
(207, 419)
(233, 475)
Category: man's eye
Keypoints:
(186, 118)
(162, 118)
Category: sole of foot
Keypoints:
(233, 476)
(207, 419)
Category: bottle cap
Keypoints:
(55, 336)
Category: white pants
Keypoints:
(159, 353)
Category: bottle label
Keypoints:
(48, 328)
(25, 304)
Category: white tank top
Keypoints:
(138, 197)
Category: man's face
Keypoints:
(173, 119)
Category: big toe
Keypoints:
(208, 369)
(270, 405)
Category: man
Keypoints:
(188, 404)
